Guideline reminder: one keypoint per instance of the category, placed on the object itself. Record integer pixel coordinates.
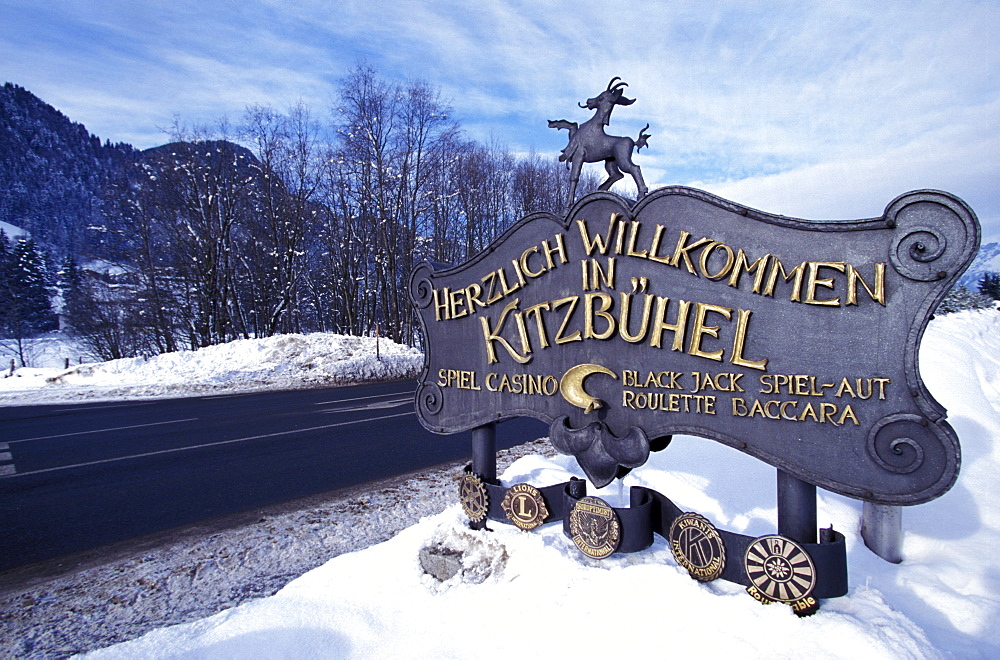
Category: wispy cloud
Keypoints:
(770, 104)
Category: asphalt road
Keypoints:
(73, 477)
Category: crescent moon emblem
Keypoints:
(571, 386)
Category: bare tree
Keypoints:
(273, 239)
(205, 190)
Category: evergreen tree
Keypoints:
(960, 298)
(27, 309)
(989, 285)
(5, 250)
(69, 281)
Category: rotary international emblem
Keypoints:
(594, 527)
(473, 496)
(780, 569)
(525, 506)
(697, 546)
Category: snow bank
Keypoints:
(545, 598)
(283, 361)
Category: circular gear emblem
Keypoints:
(594, 527)
(473, 496)
(697, 546)
(525, 506)
(780, 569)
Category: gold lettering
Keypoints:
(492, 295)
(601, 243)
(492, 336)
(543, 340)
(682, 249)
(739, 342)
(633, 234)
(590, 313)
(878, 295)
(812, 281)
(559, 249)
(457, 303)
(439, 305)
(739, 407)
(520, 273)
(795, 273)
(706, 254)
(655, 246)
(881, 382)
(700, 329)
(848, 413)
(845, 385)
(561, 337)
(623, 324)
(526, 266)
(474, 297)
(742, 264)
(660, 323)
(592, 280)
(507, 290)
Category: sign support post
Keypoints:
(796, 508)
(484, 458)
(882, 530)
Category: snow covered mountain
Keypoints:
(987, 261)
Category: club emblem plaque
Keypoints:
(697, 546)
(594, 527)
(780, 569)
(525, 506)
(473, 496)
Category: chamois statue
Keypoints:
(588, 143)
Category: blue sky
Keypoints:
(812, 109)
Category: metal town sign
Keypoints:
(793, 341)
(621, 323)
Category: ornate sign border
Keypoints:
(793, 341)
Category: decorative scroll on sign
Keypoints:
(791, 340)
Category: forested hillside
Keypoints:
(52, 170)
(287, 220)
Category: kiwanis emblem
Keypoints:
(697, 546)
(594, 527)
(780, 569)
(525, 506)
(473, 496)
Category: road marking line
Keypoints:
(7, 470)
(116, 428)
(374, 405)
(5, 456)
(83, 404)
(409, 395)
(207, 444)
(4, 445)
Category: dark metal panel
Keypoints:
(617, 324)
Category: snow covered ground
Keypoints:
(280, 362)
(522, 592)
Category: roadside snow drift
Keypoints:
(283, 361)
(534, 593)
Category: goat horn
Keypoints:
(582, 105)
(619, 86)
(612, 82)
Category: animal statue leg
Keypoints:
(574, 178)
(614, 174)
(640, 184)
(636, 173)
(623, 156)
